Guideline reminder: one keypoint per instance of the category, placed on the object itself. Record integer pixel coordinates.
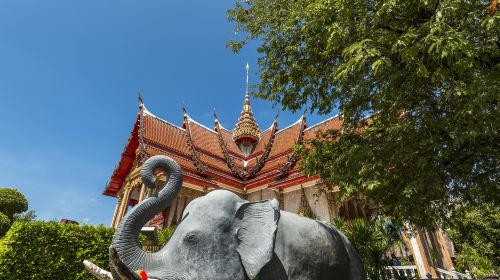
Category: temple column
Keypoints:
(443, 244)
(281, 199)
(418, 255)
(335, 204)
(346, 211)
(171, 213)
(117, 209)
(354, 207)
(363, 212)
(125, 202)
(142, 194)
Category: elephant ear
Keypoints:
(256, 224)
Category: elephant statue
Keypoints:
(222, 236)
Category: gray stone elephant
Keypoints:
(222, 236)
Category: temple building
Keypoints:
(254, 163)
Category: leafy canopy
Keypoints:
(4, 224)
(12, 202)
(427, 72)
(475, 231)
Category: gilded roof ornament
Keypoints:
(246, 128)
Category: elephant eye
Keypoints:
(191, 237)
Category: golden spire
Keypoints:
(247, 130)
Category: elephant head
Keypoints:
(220, 236)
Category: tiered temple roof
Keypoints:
(211, 157)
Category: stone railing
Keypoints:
(401, 272)
(410, 272)
(443, 274)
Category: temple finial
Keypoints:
(215, 115)
(248, 69)
(141, 103)
(246, 85)
(184, 110)
(246, 132)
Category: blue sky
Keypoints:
(69, 73)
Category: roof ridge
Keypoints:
(209, 129)
(289, 126)
(146, 111)
(322, 122)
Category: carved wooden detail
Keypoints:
(195, 156)
(245, 174)
(292, 160)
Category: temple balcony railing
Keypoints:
(443, 274)
(401, 272)
(411, 272)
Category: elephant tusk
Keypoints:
(98, 272)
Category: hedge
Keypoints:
(48, 250)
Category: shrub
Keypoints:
(12, 202)
(164, 235)
(48, 250)
(4, 224)
(371, 239)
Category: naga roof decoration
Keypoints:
(245, 174)
(292, 160)
(195, 156)
(141, 154)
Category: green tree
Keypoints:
(475, 232)
(27, 216)
(4, 224)
(427, 72)
(12, 202)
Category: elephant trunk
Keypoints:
(126, 237)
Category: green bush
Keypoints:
(12, 202)
(371, 239)
(4, 224)
(48, 250)
(164, 235)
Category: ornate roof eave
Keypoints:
(260, 162)
(285, 169)
(195, 156)
(141, 154)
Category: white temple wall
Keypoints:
(318, 203)
(292, 201)
(171, 212)
(255, 196)
(268, 194)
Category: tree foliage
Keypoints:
(475, 232)
(4, 224)
(12, 202)
(48, 250)
(164, 235)
(28, 216)
(426, 72)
